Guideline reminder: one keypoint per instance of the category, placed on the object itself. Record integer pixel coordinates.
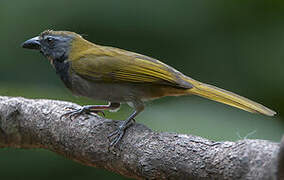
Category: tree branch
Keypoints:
(142, 153)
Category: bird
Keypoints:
(120, 76)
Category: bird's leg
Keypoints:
(89, 109)
(118, 134)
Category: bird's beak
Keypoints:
(33, 43)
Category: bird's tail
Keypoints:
(226, 97)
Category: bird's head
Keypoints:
(55, 45)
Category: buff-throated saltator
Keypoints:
(118, 76)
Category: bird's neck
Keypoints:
(78, 46)
(62, 69)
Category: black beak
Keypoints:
(32, 43)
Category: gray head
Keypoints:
(54, 45)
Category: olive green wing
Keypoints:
(119, 66)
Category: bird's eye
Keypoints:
(49, 39)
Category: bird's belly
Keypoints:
(104, 91)
(118, 92)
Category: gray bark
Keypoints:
(142, 153)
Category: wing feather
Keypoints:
(112, 65)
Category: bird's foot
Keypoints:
(74, 113)
(118, 134)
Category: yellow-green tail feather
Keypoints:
(229, 98)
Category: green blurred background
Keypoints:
(235, 45)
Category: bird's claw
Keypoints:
(74, 113)
(118, 135)
(77, 112)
